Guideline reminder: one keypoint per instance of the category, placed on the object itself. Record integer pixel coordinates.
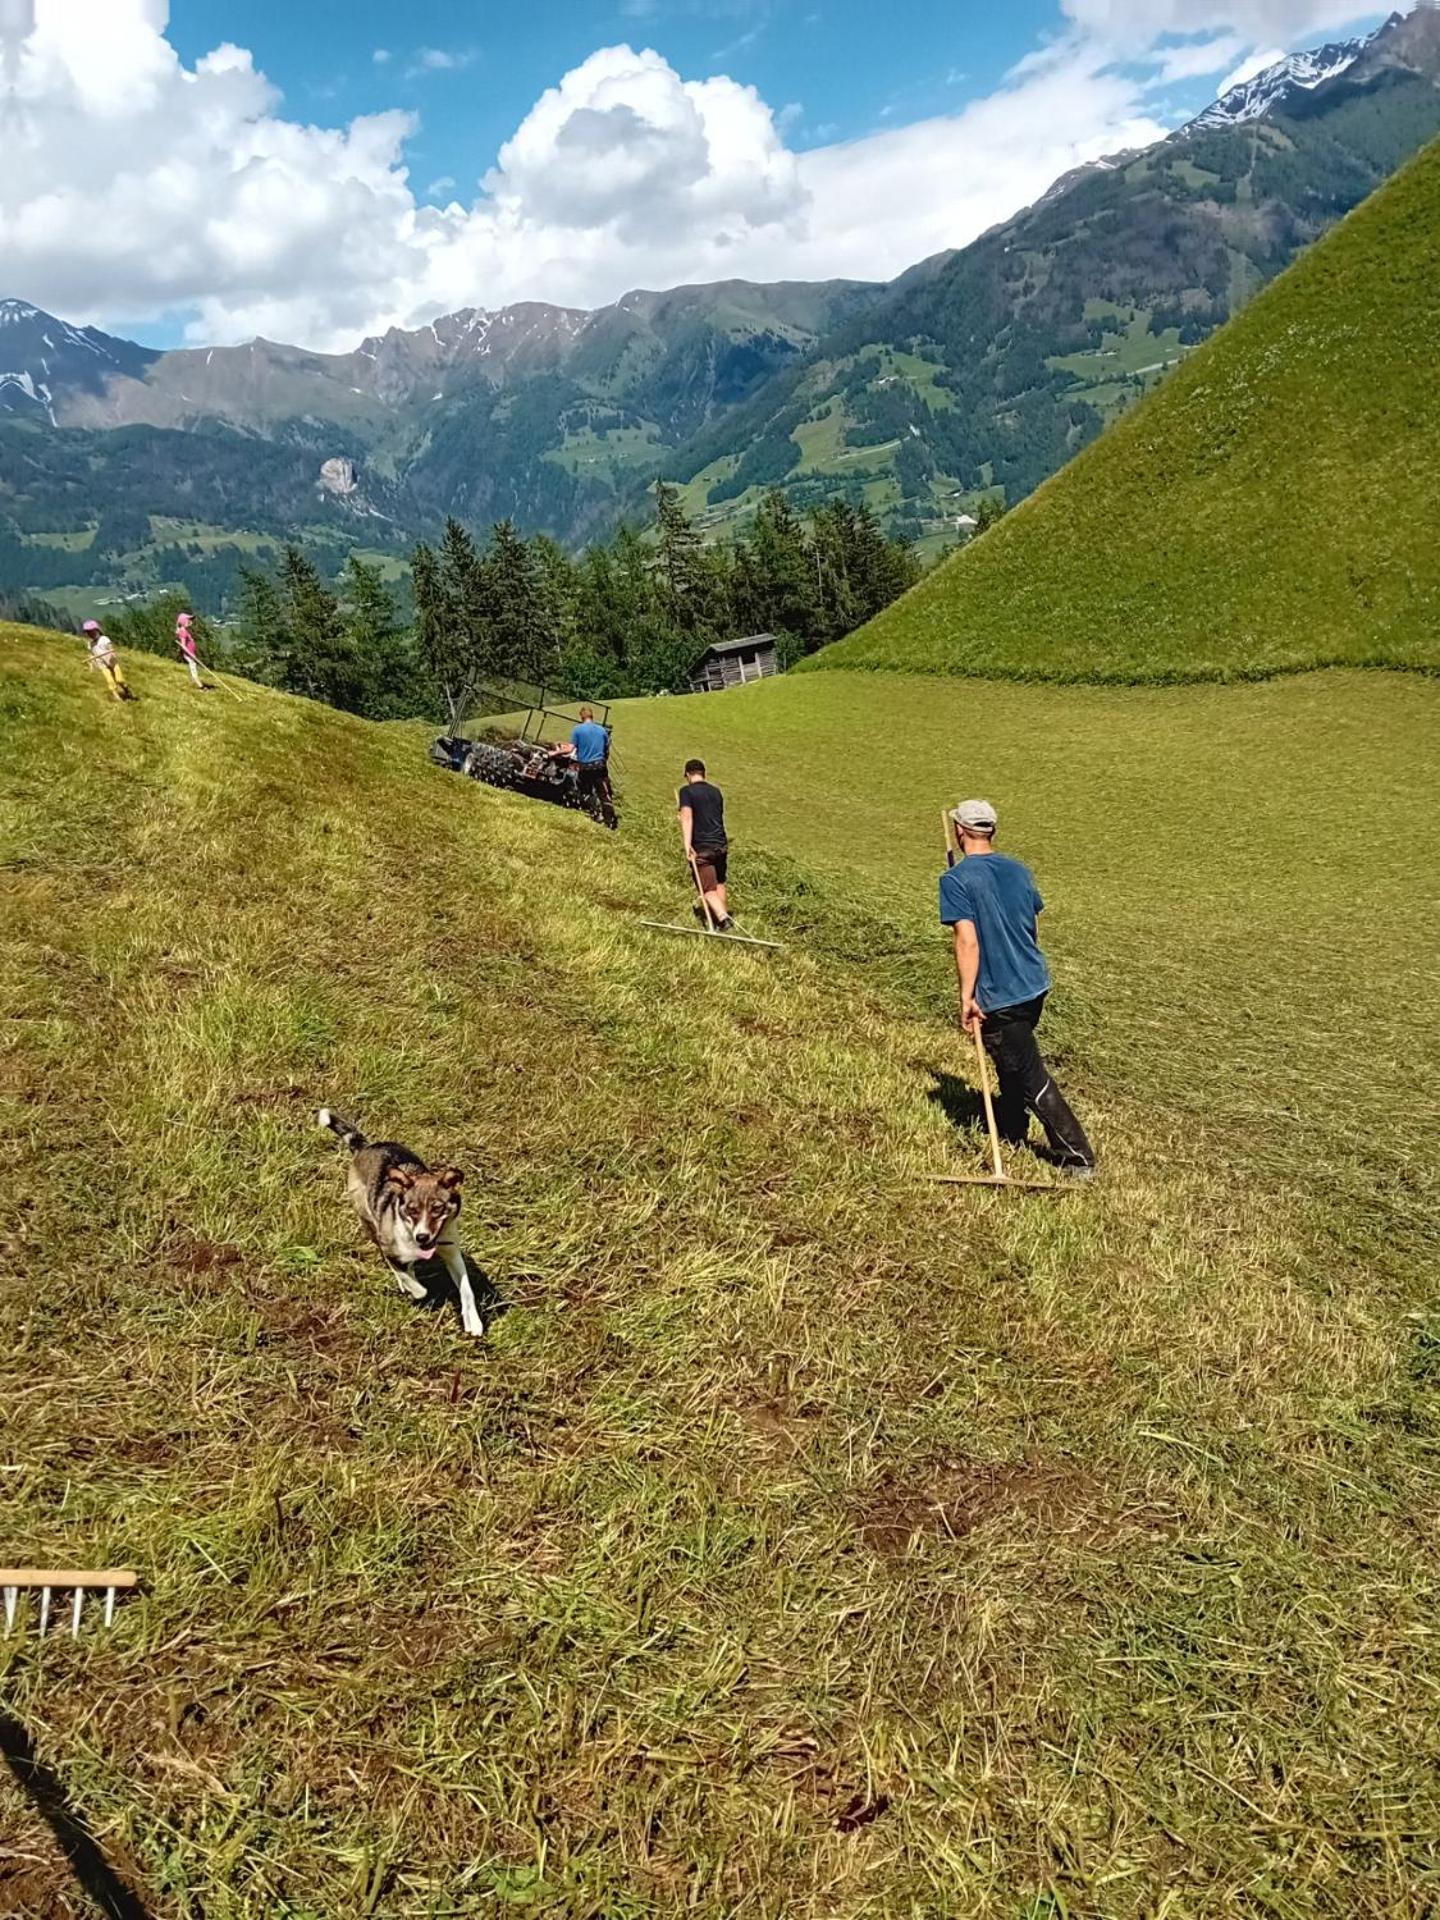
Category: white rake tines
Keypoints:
(76, 1581)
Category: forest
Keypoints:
(627, 616)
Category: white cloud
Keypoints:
(1194, 59)
(381, 56)
(439, 60)
(135, 186)
(1247, 69)
(1138, 24)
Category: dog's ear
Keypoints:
(450, 1177)
(402, 1178)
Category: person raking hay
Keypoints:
(993, 905)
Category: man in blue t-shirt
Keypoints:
(589, 747)
(993, 904)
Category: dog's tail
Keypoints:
(352, 1136)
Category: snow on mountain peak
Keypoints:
(1257, 97)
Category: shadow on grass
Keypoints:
(960, 1103)
(47, 1795)
(442, 1292)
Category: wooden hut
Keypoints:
(730, 663)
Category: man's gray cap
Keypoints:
(976, 816)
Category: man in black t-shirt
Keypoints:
(702, 828)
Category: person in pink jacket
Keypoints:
(185, 640)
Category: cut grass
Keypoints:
(1242, 907)
(797, 1544)
(1270, 509)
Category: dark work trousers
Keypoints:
(595, 794)
(1026, 1086)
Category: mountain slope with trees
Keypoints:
(993, 366)
(1273, 507)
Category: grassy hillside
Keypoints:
(802, 1541)
(992, 366)
(1271, 507)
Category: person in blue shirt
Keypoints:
(589, 747)
(993, 904)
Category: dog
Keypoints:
(409, 1212)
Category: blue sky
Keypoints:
(823, 55)
(208, 170)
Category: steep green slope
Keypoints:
(1273, 507)
(800, 1541)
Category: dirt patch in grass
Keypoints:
(189, 1254)
(783, 1427)
(957, 1496)
(271, 1096)
(290, 1322)
(33, 1888)
(36, 1883)
(128, 1450)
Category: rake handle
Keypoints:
(68, 1577)
(984, 1066)
(947, 827)
(700, 889)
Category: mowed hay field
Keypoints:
(1241, 881)
(801, 1541)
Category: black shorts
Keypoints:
(714, 865)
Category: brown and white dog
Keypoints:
(409, 1211)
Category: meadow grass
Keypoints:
(1269, 509)
(801, 1541)
(1241, 881)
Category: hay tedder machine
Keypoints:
(519, 754)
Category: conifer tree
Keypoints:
(262, 638)
(449, 651)
(466, 586)
(316, 657)
(679, 573)
(779, 575)
(380, 642)
(523, 645)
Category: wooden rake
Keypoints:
(78, 1581)
(997, 1177)
(709, 931)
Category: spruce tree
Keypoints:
(559, 602)
(380, 642)
(318, 658)
(449, 651)
(679, 572)
(524, 647)
(262, 638)
(780, 580)
(466, 586)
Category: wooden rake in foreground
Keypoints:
(997, 1177)
(709, 931)
(78, 1581)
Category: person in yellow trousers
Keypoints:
(102, 653)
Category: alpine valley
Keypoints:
(977, 373)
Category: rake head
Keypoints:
(76, 1581)
(1003, 1180)
(711, 933)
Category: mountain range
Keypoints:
(979, 371)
